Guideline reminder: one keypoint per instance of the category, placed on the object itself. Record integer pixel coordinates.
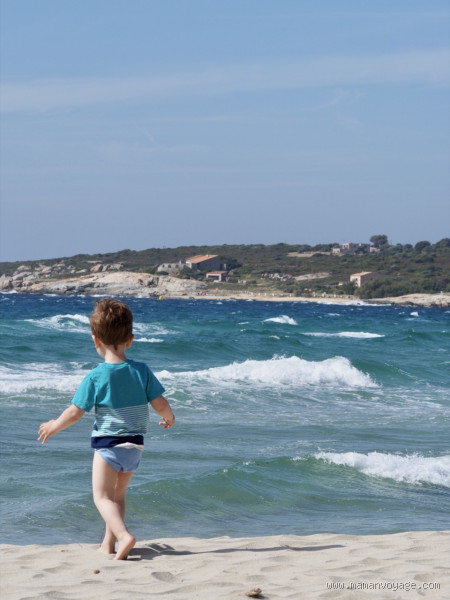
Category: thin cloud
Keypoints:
(422, 68)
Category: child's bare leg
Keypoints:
(104, 481)
(108, 546)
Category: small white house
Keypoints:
(351, 248)
(216, 276)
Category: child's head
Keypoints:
(112, 322)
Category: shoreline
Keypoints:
(400, 565)
(419, 300)
(142, 285)
(413, 300)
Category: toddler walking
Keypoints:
(120, 390)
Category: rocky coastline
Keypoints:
(110, 280)
(102, 280)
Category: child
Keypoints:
(120, 389)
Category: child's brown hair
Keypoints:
(112, 322)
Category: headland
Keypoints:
(351, 273)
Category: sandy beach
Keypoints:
(398, 566)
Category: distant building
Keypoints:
(173, 267)
(363, 277)
(201, 262)
(205, 262)
(216, 276)
(353, 248)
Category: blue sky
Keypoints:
(159, 123)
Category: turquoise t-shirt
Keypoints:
(120, 394)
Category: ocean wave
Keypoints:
(284, 319)
(348, 334)
(412, 468)
(73, 323)
(292, 371)
(149, 340)
(76, 323)
(39, 376)
(150, 329)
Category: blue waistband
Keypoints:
(108, 441)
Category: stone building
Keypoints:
(363, 277)
(172, 267)
(205, 262)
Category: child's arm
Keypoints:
(71, 415)
(162, 407)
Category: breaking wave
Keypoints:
(349, 334)
(292, 371)
(284, 319)
(412, 468)
(70, 323)
(40, 376)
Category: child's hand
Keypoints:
(68, 417)
(45, 431)
(166, 423)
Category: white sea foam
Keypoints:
(150, 329)
(39, 377)
(412, 468)
(347, 303)
(292, 371)
(77, 323)
(284, 319)
(149, 340)
(349, 334)
(73, 323)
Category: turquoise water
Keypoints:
(291, 418)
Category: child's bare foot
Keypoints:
(107, 548)
(125, 544)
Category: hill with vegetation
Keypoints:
(295, 269)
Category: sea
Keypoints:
(292, 418)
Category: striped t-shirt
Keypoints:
(120, 394)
